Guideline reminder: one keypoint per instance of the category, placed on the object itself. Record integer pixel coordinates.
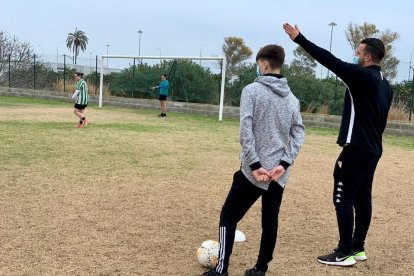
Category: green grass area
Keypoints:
(322, 131)
(15, 101)
(193, 121)
(388, 139)
(406, 142)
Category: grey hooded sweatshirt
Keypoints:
(271, 129)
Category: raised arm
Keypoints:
(348, 72)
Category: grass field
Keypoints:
(133, 194)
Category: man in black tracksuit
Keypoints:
(368, 99)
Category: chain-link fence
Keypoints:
(23, 74)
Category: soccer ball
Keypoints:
(207, 253)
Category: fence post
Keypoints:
(34, 71)
(96, 74)
(412, 97)
(336, 86)
(9, 69)
(133, 79)
(64, 73)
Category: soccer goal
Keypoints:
(192, 79)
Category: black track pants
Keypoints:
(243, 194)
(353, 176)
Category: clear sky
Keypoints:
(191, 27)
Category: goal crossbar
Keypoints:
(223, 72)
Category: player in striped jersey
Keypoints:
(82, 97)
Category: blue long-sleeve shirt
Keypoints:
(163, 87)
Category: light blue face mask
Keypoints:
(258, 73)
(355, 60)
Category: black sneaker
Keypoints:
(337, 258)
(254, 272)
(212, 272)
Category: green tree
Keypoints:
(236, 52)
(303, 63)
(356, 33)
(76, 41)
(245, 76)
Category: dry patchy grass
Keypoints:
(133, 194)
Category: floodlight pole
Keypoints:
(204, 45)
(409, 67)
(140, 32)
(332, 24)
(107, 49)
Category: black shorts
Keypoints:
(80, 106)
(162, 98)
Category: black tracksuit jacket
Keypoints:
(367, 101)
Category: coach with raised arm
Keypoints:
(367, 102)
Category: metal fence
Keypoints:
(190, 82)
(37, 74)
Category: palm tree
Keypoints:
(76, 41)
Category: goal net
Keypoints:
(192, 79)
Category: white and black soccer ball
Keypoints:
(207, 253)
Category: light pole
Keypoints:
(40, 46)
(140, 32)
(409, 68)
(201, 49)
(90, 60)
(107, 51)
(57, 53)
(159, 50)
(332, 24)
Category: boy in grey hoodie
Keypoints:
(271, 134)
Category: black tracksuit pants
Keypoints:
(353, 176)
(243, 194)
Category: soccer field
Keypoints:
(134, 194)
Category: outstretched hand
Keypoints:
(293, 32)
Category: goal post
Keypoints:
(223, 72)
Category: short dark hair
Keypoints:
(375, 47)
(164, 75)
(79, 74)
(273, 53)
